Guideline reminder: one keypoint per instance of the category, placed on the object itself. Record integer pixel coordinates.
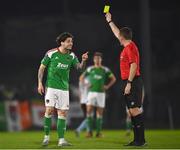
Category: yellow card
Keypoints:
(106, 8)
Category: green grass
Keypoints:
(114, 139)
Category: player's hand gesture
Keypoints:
(40, 89)
(85, 56)
(127, 89)
(108, 17)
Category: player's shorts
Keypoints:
(96, 99)
(134, 99)
(57, 98)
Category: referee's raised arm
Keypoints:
(114, 28)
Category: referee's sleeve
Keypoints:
(131, 55)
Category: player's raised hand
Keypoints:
(40, 89)
(85, 56)
(108, 17)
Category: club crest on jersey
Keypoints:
(62, 66)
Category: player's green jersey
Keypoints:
(98, 76)
(58, 68)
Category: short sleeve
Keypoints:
(87, 71)
(75, 61)
(45, 61)
(131, 55)
(109, 73)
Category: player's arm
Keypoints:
(143, 94)
(114, 28)
(81, 66)
(81, 78)
(79, 91)
(111, 82)
(40, 79)
(132, 73)
(133, 69)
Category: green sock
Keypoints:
(61, 127)
(47, 125)
(90, 123)
(98, 124)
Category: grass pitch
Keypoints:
(113, 139)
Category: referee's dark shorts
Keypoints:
(134, 98)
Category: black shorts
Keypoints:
(134, 99)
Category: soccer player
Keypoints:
(101, 79)
(131, 77)
(83, 91)
(58, 62)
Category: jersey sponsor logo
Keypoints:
(62, 66)
(56, 58)
(98, 77)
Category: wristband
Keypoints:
(129, 81)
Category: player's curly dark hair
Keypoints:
(63, 36)
(126, 33)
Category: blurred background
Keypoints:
(29, 28)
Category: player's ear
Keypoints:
(62, 43)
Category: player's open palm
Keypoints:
(85, 56)
(40, 89)
(108, 17)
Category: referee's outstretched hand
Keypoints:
(108, 17)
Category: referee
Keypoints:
(131, 80)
